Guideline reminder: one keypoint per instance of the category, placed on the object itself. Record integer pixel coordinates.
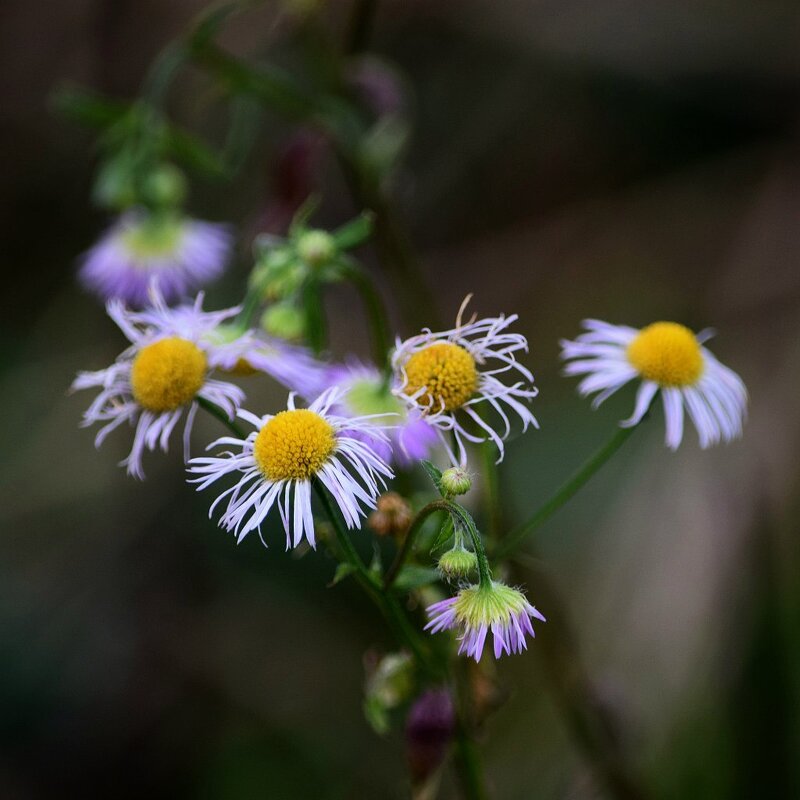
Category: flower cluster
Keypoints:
(438, 393)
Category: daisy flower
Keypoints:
(176, 254)
(666, 357)
(160, 376)
(476, 610)
(363, 391)
(455, 374)
(277, 462)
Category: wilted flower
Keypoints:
(276, 463)
(446, 376)
(476, 610)
(175, 254)
(159, 377)
(667, 357)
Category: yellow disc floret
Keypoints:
(667, 353)
(448, 374)
(167, 374)
(293, 445)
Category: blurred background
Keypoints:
(616, 159)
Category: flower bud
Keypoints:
(392, 515)
(164, 187)
(316, 248)
(456, 481)
(457, 563)
(284, 321)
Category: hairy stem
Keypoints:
(217, 412)
(408, 542)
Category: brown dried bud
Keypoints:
(392, 516)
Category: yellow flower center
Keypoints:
(167, 374)
(446, 371)
(293, 445)
(666, 353)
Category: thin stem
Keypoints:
(494, 507)
(470, 769)
(376, 312)
(387, 604)
(484, 572)
(408, 542)
(217, 412)
(564, 493)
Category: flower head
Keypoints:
(363, 391)
(667, 358)
(276, 463)
(175, 254)
(451, 376)
(476, 610)
(159, 377)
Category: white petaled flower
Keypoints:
(159, 377)
(175, 254)
(666, 357)
(455, 376)
(275, 464)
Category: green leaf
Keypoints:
(342, 571)
(413, 576)
(446, 532)
(435, 474)
(353, 233)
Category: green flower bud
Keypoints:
(457, 563)
(456, 481)
(164, 187)
(285, 321)
(316, 248)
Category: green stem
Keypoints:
(564, 493)
(484, 572)
(376, 312)
(470, 768)
(217, 412)
(408, 542)
(385, 602)
(494, 507)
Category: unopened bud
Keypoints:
(392, 515)
(284, 321)
(316, 248)
(456, 481)
(165, 187)
(457, 563)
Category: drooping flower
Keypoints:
(477, 610)
(455, 374)
(666, 357)
(276, 463)
(175, 254)
(159, 377)
(364, 391)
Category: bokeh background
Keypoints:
(625, 160)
